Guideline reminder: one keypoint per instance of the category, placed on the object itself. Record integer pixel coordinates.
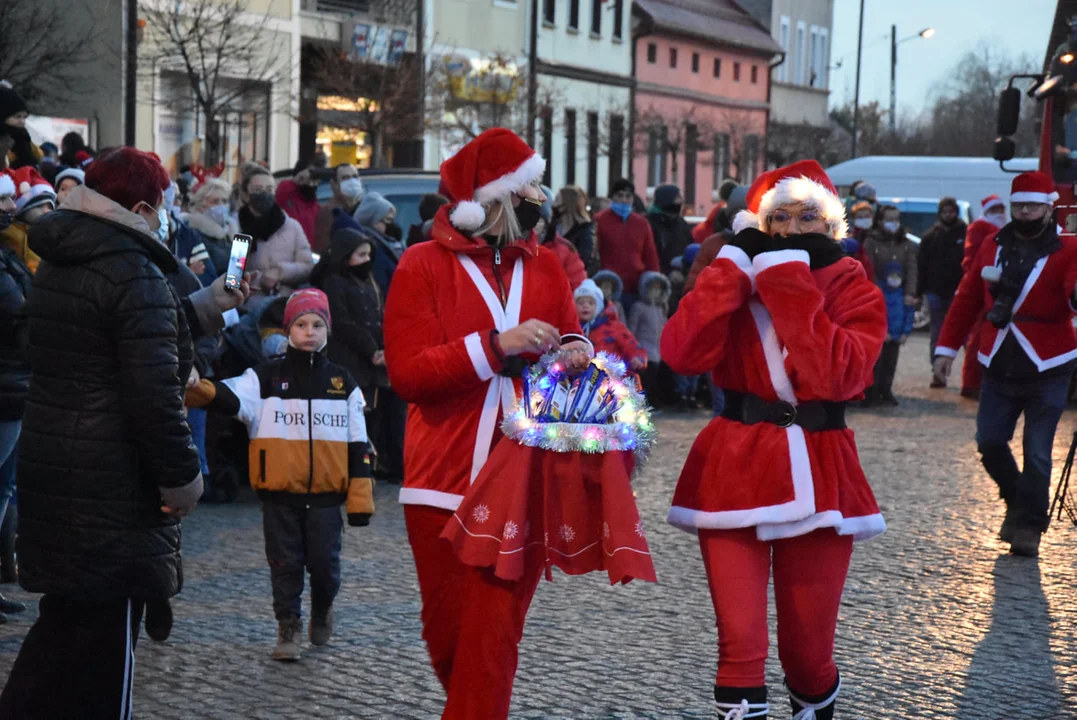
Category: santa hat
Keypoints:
(32, 190)
(1033, 187)
(802, 182)
(7, 185)
(989, 202)
(75, 174)
(83, 159)
(493, 165)
(307, 300)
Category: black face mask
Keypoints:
(362, 271)
(19, 134)
(1030, 228)
(262, 202)
(394, 231)
(308, 192)
(528, 213)
(673, 209)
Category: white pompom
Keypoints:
(744, 220)
(467, 215)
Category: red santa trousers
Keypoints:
(972, 371)
(473, 621)
(809, 575)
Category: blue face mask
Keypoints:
(219, 214)
(162, 229)
(622, 209)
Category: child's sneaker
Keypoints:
(288, 634)
(321, 626)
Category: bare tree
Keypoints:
(44, 45)
(673, 128)
(230, 59)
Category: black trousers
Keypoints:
(302, 539)
(885, 369)
(385, 426)
(77, 661)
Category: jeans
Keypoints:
(717, 397)
(937, 307)
(9, 436)
(685, 385)
(299, 538)
(196, 418)
(1001, 403)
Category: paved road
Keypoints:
(937, 620)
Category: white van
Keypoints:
(965, 178)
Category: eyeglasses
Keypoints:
(1018, 207)
(781, 217)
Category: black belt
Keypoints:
(812, 416)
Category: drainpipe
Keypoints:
(770, 85)
(646, 27)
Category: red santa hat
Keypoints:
(7, 185)
(991, 201)
(1033, 187)
(31, 190)
(493, 165)
(84, 159)
(804, 182)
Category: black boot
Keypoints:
(9, 571)
(817, 707)
(741, 703)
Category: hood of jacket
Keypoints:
(651, 277)
(618, 283)
(444, 233)
(90, 226)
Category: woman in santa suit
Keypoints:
(790, 328)
(465, 313)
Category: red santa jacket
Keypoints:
(608, 334)
(774, 328)
(446, 299)
(626, 246)
(979, 230)
(1042, 315)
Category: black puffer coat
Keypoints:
(15, 281)
(104, 436)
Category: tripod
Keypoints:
(1062, 499)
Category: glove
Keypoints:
(752, 241)
(822, 249)
(360, 503)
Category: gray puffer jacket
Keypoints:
(647, 318)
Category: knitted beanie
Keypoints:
(307, 300)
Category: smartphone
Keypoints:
(237, 260)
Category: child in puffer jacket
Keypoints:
(308, 455)
(604, 329)
(646, 320)
(899, 323)
(611, 285)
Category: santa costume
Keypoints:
(790, 329)
(980, 229)
(449, 301)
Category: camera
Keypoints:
(1001, 312)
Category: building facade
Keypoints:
(701, 100)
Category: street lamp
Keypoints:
(894, 42)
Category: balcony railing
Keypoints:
(337, 7)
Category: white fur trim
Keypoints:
(745, 220)
(1034, 197)
(433, 498)
(477, 353)
(530, 170)
(993, 203)
(865, 527)
(467, 215)
(805, 190)
(941, 351)
(767, 260)
(7, 185)
(738, 258)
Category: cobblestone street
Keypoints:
(938, 621)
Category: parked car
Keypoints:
(918, 214)
(403, 188)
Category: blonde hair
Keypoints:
(573, 206)
(495, 210)
(211, 187)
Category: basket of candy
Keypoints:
(556, 490)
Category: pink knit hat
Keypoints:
(307, 300)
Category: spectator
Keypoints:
(300, 509)
(15, 281)
(893, 256)
(612, 287)
(107, 467)
(211, 218)
(186, 244)
(850, 199)
(34, 198)
(299, 198)
(863, 221)
(347, 193)
(66, 180)
(646, 320)
(708, 251)
(987, 226)
(377, 216)
(942, 248)
(279, 249)
(625, 242)
(50, 162)
(605, 330)
(13, 114)
(574, 224)
(345, 273)
(546, 230)
(710, 226)
(677, 275)
(671, 233)
(70, 144)
(428, 208)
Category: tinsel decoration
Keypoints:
(629, 426)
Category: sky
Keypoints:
(961, 26)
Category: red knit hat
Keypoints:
(84, 159)
(307, 300)
(1033, 187)
(802, 182)
(989, 202)
(493, 165)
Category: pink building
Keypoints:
(702, 70)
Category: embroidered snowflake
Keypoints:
(511, 530)
(480, 514)
(567, 533)
(639, 528)
(606, 530)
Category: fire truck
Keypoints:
(1055, 90)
